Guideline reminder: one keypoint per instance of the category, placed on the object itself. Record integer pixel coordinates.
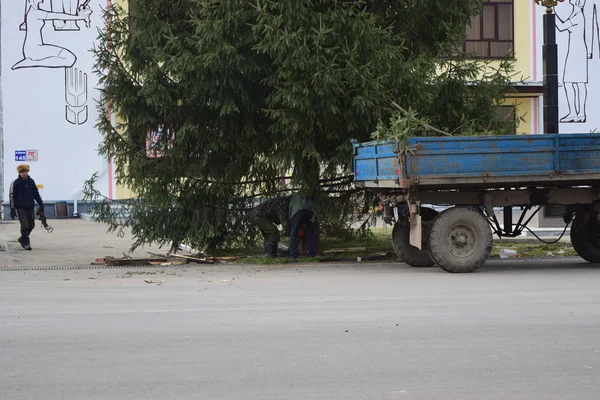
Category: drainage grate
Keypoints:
(65, 268)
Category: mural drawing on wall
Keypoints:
(575, 72)
(591, 34)
(76, 95)
(38, 54)
(59, 6)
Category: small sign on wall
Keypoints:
(20, 155)
(26, 155)
(32, 155)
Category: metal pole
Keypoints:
(550, 60)
(1, 130)
(550, 63)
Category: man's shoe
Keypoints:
(22, 241)
(27, 247)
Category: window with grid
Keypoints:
(490, 34)
(507, 114)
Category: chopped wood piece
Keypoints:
(228, 258)
(203, 260)
(344, 250)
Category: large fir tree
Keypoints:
(256, 90)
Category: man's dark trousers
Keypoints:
(303, 217)
(27, 220)
(271, 235)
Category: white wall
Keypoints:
(39, 99)
(576, 45)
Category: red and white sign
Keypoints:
(32, 155)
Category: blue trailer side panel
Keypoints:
(452, 161)
(478, 155)
(377, 161)
(579, 153)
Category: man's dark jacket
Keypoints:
(24, 193)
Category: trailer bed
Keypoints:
(479, 161)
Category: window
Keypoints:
(490, 34)
(155, 142)
(506, 115)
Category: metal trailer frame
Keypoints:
(476, 174)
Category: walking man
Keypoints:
(23, 193)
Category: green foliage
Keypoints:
(401, 127)
(259, 90)
(460, 109)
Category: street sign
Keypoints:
(20, 155)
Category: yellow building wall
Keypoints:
(121, 191)
(522, 37)
(522, 12)
(526, 107)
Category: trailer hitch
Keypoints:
(508, 230)
(520, 226)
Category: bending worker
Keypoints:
(301, 213)
(267, 216)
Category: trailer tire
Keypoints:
(585, 238)
(460, 240)
(401, 240)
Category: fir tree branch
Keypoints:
(425, 125)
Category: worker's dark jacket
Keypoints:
(24, 193)
(273, 210)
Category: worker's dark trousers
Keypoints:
(303, 217)
(27, 220)
(271, 236)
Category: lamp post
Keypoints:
(550, 64)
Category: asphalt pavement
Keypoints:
(516, 329)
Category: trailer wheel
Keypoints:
(401, 240)
(460, 240)
(585, 238)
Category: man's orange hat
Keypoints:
(22, 168)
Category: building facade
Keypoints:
(510, 27)
(49, 90)
(49, 96)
